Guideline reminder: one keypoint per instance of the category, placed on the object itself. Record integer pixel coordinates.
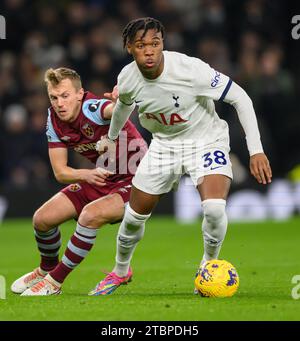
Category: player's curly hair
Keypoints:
(55, 76)
(145, 24)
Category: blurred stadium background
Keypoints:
(249, 40)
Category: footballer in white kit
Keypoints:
(188, 135)
(178, 109)
(175, 96)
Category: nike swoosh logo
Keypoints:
(138, 102)
(212, 168)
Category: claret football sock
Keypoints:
(48, 244)
(78, 247)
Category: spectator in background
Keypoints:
(275, 89)
(15, 146)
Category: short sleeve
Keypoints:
(93, 110)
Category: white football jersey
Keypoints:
(179, 104)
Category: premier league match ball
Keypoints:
(217, 278)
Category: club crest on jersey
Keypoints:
(176, 100)
(74, 187)
(87, 130)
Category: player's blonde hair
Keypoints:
(55, 76)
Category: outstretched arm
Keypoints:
(65, 174)
(120, 115)
(113, 96)
(259, 163)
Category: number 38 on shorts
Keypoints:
(214, 160)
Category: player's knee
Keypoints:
(39, 221)
(214, 210)
(89, 218)
(134, 221)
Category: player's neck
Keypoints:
(156, 73)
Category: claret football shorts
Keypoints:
(83, 193)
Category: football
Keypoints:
(217, 278)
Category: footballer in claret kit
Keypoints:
(77, 120)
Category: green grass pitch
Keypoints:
(266, 256)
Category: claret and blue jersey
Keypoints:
(82, 134)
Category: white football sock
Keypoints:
(130, 232)
(214, 227)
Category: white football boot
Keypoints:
(26, 281)
(45, 287)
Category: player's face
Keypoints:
(65, 99)
(147, 52)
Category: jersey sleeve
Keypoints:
(124, 106)
(93, 109)
(210, 82)
(125, 95)
(243, 105)
(53, 140)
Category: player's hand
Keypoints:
(96, 176)
(114, 95)
(105, 145)
(260, 168)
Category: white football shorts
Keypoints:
(166, 161)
